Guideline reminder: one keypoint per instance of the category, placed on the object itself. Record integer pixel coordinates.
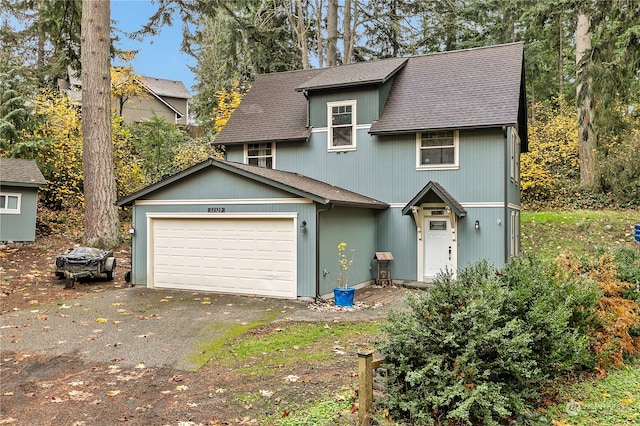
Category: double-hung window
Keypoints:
(342, 125)
(10, 203)
(437, 150)
(260, 154)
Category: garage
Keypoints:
(240, 254)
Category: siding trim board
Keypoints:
(230, 201)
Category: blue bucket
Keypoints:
(344, 297)
(637, 233)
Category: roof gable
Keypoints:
(356, 74)
(471, 88)
(164, 87)
(19, 172)
(293, 183)
(430, 190)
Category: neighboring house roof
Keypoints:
(293, 183)
(164, 87)
(426, 195)
(357, 74)
(271, 111)
(18, 172)
(480, 87)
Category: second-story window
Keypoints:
(342, 125)
(437, 150)
(260, 154)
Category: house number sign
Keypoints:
(216, 209)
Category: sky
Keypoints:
(158, 56)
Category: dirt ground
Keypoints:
(67, 390)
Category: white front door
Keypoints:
(438, 246)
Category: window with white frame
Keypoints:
(515, 156)
(437, 150)
(342, 125)
(260, 154)
(10, 203)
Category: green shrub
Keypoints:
(476, 349)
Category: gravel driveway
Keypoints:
(159, 328)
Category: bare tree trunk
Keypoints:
(348, 35)
(332, 33)
(101, 227)
(560, 57)
(584, 94)
(319, 38)
(299, 29)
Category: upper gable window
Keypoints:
(437, 150)
(10, 203)
(342, 125)
(260, 154)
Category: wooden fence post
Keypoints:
(365, 387)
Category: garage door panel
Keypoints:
(234, 255)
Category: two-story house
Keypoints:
(168, 99)
(415, 156)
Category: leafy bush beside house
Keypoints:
(477, 349)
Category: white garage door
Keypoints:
(230, 255)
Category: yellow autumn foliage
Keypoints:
(228, 101)
(552, 160)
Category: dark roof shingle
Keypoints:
(459, 89)
(18, 172)
(357, 74)
(294, 183)
(271, 111)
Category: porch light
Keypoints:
(477, 225)
(303, 226)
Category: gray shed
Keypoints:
(19, 183)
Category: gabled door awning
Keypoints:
(434, 192)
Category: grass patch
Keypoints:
(289, 343)
(548, 235)
(207, 349)
(613, 400)
(329, 410)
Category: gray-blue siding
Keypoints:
(20, 227)
(214, 184)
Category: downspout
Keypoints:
(505, 222)
(318, 211)
(306, 96)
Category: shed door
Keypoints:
(230, 255)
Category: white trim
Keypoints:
(245, 150)
(456, 154)
(11, 194)
(330, 147)
(228, 201)
(472, 205)
(262, 215)
(482, 205)
(319, 130)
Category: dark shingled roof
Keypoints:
(17, 172)
(293, 183)
(358, 74)
(271, 111)
(478, 87)
(164, 87)
(435, 188)
(481, 87)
